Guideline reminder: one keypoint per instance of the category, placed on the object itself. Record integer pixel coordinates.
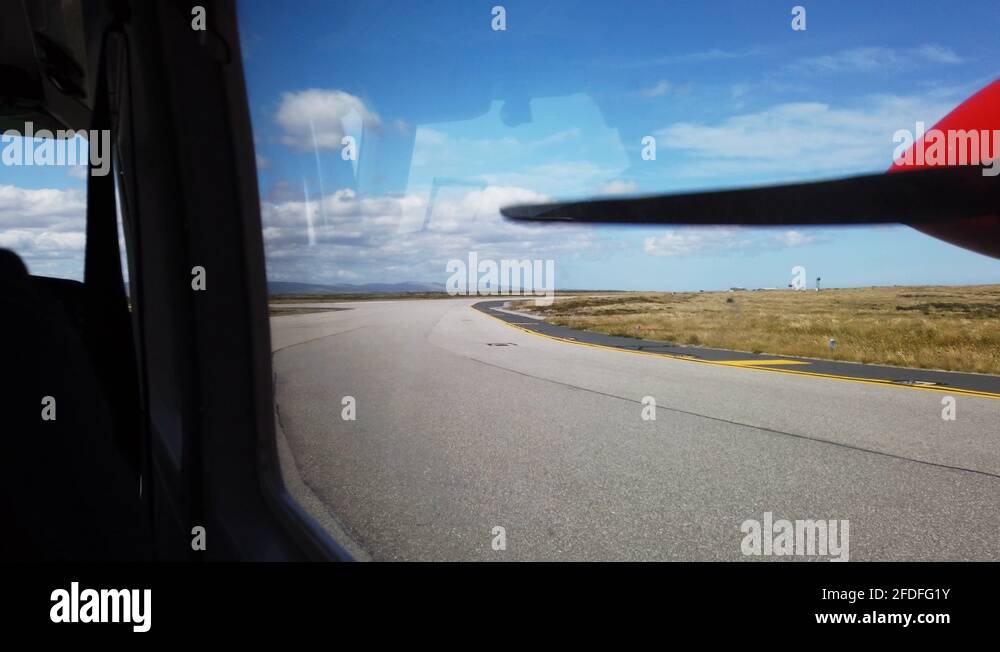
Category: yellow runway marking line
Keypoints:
(755, 363)
(777, 370)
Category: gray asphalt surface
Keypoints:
(455, 436)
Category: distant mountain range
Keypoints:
(293, 287)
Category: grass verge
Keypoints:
(928, 327)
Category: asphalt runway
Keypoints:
(465, 423)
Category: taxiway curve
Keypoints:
(464, 423)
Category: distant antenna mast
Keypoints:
(818, 279)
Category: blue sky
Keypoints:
(455, 119)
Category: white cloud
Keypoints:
(79, 172)
(43, 207)
(45, 227)
(618, 187)
(718, 240)
(383, 238)
(737, 91)
(799, 137)
(314, 118)
(874, 59)
(794, 238)
(938, 54)
(659, 89)
(714, 54)
(28, 241)
(687, 242)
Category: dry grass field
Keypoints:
(936, 327)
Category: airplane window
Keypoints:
(43, 206)
(454, 384)
(43, 202)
